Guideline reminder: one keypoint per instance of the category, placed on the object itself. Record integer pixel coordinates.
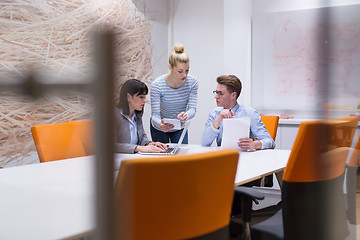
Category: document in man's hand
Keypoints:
(233, 129)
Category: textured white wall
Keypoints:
(156, 11)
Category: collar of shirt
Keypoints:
(236, 108)
(132, 120)
(132, 127)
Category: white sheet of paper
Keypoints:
(173, 121)
(233, 129)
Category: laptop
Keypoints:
(172, 150)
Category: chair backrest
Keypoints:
(317, 144)
(85, 130)
(312, 191)
(62, 140)
(352, 182)
(355, 156)
(174, 197)
(271, 124)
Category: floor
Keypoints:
(272, 196)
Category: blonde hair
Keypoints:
(178, 55)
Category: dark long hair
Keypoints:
(131, 86)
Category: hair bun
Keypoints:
(178, 48)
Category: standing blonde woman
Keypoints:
(173, 95)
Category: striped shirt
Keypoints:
(167, 102)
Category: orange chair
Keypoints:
(355, 156)
(62, 140)
(313, 204)
(271, 124)
(175, 197)
(84, 129)
(351, 183)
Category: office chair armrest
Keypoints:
(251, 193)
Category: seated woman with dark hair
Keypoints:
(130, 135)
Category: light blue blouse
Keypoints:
(132, 127)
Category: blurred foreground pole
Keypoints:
(104, 137)
(102, 86)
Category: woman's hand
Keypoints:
(249, 144)
(150, 148)
(165, 127)
(159, 145)
(183, 117)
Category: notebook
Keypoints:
(172, 150)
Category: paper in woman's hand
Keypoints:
(233, 130)
(173, 121)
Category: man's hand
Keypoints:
(249, 144)
(225, 113)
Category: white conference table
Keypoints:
(251, 165)
(56, 200)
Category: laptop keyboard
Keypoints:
(169, 149)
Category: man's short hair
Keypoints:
(232, 83)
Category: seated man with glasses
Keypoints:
(226, 95)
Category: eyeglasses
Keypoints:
(219, 93)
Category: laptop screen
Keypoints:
(182, 134)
